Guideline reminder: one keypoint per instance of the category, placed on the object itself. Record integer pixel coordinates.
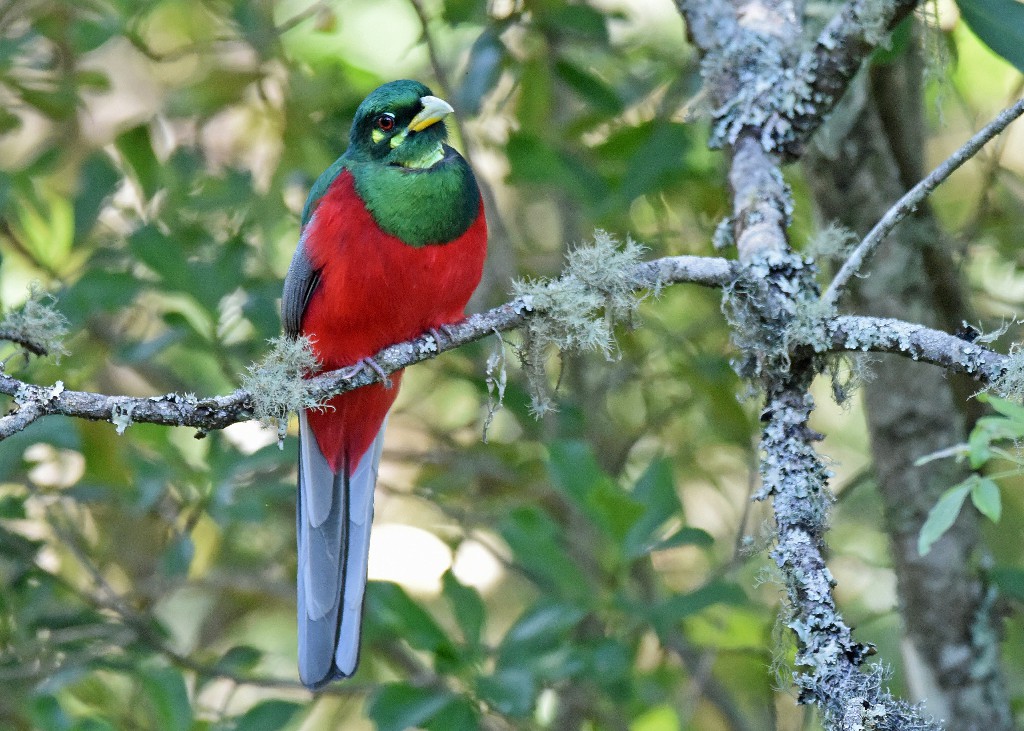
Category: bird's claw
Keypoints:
(367, 363)
(442, 334)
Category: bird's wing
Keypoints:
(333, 529)
(299, 285)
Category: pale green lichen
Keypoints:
(37, 325)
(1010, 385)
(497, 380)
(278, 382)
(121, 416)
(578, 311)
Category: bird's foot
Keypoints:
(367, 364)
(442, 335)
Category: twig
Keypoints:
(909, 202)
(27, 343)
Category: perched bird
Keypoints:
(392, 246)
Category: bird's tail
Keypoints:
(335, 510)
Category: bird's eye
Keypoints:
(385, 122)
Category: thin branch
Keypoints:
(909, 202)
(886, 335)
(217, 412)
(20, 338)
(14, 423)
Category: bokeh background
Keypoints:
(600, 568)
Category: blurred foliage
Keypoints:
(598, 569)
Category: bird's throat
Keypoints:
(427, 159)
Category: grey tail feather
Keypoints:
(333, 519)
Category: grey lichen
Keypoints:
(1010, 384)
(497, 380)
(873, 17)
(833, 241)
(278, 382)
(578, 311)
(768, 91)
(37, 325)
(772, 308)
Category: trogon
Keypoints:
(392, 246)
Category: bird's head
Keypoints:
(400, 123)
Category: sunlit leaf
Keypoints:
(986, 498)
(942, 515)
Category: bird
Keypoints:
(392, 245)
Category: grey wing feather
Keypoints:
(333, 532)
(299, 285)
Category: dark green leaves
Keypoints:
(167, 697)
(999, 24)
(399, 707)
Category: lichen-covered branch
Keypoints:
(758, 96)
(913, 198)
(925, 344)
(757, 81)
(217, 412)
(840, 49)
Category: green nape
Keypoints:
(416, 187)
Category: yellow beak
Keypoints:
(434, 110)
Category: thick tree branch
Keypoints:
(217, 412)
(758, 83)
(913, 198)
(829, 66)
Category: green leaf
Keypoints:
(659, 718)
(656, 492)
(986, 498)
(1010, 581)
(681, 606)
(467, 606)
(580, 20)
(575, 470)
(47, 714)
(92, 724)
(168, 697)
(97, 180)
(686, 536)
(459, 715)
(12, 507)
(590, 87)
(177, 557)
(399, 707)
(942, 516)
(541, 627)
(511, 692)
(464, 11)
(269, 715)
(391, 612)
(1000, 26)
(537, 543)
(240, 659)
(136, 147)
(483, 69)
